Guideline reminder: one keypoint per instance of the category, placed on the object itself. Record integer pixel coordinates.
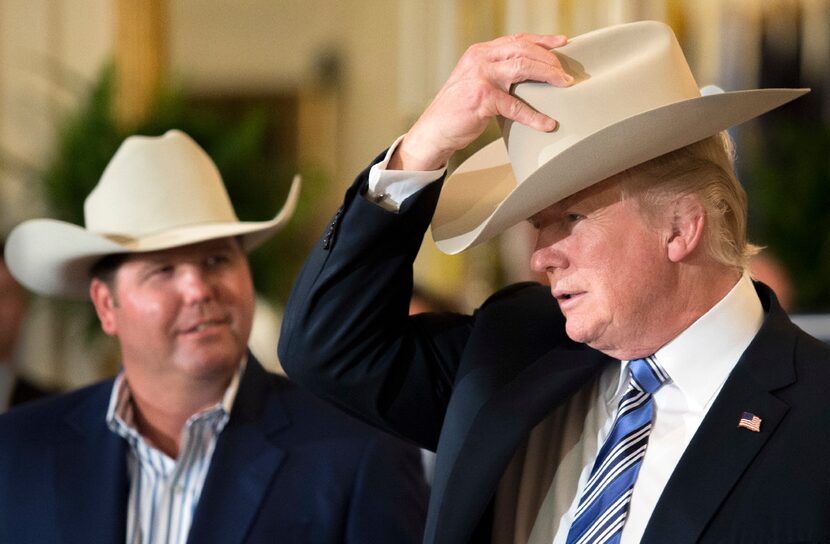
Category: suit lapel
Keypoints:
(91, 474)
(243, 464)
(720, 451)
(490, 414)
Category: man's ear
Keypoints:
(105, 303)
(687, 220)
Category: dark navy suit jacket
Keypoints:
(287, 468)
(473, 387)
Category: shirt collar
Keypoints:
(121, 420)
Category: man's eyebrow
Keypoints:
(145, 261)
(558, 207)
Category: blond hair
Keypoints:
(704, 169)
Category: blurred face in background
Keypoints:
(12, 311)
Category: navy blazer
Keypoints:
(287, 468)
(473, 387)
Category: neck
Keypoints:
(162, 409)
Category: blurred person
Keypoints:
(193, 441)
(14, 388)
(766, 268)
(652, 392)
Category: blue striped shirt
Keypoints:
(164, 492)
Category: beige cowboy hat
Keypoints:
(156, 193)
(634, 99)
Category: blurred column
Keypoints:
(319, 113)
(533, 16)
(141, 56)
(427, 52)
(815, 50)
(480, 20)
(713, 43)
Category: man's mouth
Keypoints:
(565, 296)
(203, 325)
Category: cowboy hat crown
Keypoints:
(634, 99)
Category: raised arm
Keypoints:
(346, 333)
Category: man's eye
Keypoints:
(163, 269)
(216, 260)
(573, 217)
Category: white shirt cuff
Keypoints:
(389, 188)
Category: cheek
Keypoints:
(616, 280)
(151, 313)
(239, 291)
(240, 298)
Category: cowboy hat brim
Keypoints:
(54, 258)
(481, 198)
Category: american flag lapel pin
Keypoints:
(750, 421)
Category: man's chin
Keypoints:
(584, 333)
(212, 363)
(577, 333)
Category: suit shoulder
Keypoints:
(37, 419)
(521, 313)
(814, 354)
(521, 292)
(529, 299)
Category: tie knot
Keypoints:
(647, 374)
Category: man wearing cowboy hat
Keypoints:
(193, 441)
(652, 392)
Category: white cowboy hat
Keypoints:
(156, 193)
(634, 99)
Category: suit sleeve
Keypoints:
(389, 500)
(346, 334)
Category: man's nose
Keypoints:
(196, 285)
(547, 256)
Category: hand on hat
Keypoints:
(477, 90)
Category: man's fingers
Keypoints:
(548, 41)
(506, 48)
(510, 107)
(507, 72)
(510, 60)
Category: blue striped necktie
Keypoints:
(603, 506)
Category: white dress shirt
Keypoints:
(164, 492)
